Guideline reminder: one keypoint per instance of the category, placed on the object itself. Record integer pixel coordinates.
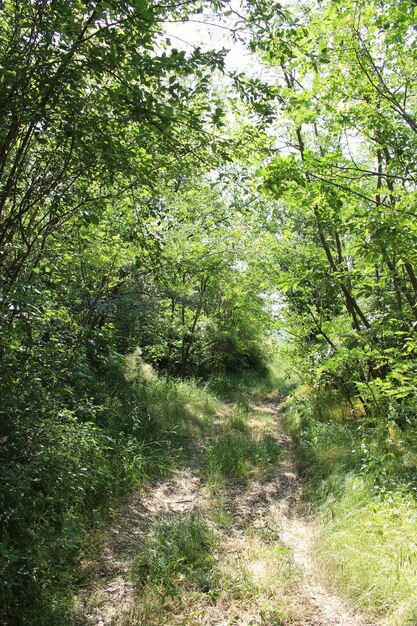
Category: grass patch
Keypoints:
(237, 455)
(368, 546)
(219, 512)
(172, 412)
(245, 447)
(252, 581)
(177, 550)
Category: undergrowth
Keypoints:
(62, 478)
(58, 489)
(189, 571)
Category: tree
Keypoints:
(93, 105)
(202, 286)
(345, 182)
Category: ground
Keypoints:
(253, 559)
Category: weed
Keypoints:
(280, 615)
(238, 421)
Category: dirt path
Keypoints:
(265, 554)
(297, 533)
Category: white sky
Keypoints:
(213, 34)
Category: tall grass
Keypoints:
(368, 546)
(359, 476)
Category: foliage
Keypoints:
(343, 187)
(275, 381)
(202, 310)
(148, 220)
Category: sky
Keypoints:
(212, 33)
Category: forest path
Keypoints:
(264, 557)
